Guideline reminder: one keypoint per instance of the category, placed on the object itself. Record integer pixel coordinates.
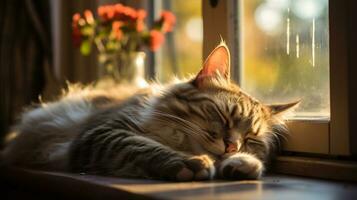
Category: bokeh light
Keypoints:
(194, 29)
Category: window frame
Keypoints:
(340, 133)
(333, 137)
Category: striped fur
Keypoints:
(198, 129)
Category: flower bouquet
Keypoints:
(119, 33)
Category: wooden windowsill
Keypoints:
(316, 167)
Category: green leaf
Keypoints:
(85, 47)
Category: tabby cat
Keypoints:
(196, 129)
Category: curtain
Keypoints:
(25, 52)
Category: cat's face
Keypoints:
(212, 114)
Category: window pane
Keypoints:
(182, 53)
(285, 53)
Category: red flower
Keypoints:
(168, 21)
(117, 22)
(124, 13)
(76, 17)
(118, 8)
(76, 32)
(101, 10)
(106, 12)
(118, 11)
(88, 15)
(140, 25)
(129, 13)
(140, 16)
(156, 39)
(118, 33)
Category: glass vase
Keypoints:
(126, 68)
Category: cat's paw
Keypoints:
(241, 166)
(196, 168)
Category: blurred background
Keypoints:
(283, 50)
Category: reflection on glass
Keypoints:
(182, 53)
(285, 53)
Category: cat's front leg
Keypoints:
(240, 166)
(170, 165)
(118, 152)
(159, 161)
(196, 168)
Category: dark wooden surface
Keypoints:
(65, 186)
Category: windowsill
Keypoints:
(65, 186)
(316, 167)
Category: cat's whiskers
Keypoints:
(280, 131)
(277, 139)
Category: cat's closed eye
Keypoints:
(213, 134)
(216, 130)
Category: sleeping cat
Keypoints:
(199, 129)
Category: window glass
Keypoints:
(181, 54)
(285, 53)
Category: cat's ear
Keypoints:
(281, 109)
(217, 65)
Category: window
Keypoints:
(324, 123)
(284, 57)
(285, 53)
(181, 55)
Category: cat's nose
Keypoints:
(231, 147)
